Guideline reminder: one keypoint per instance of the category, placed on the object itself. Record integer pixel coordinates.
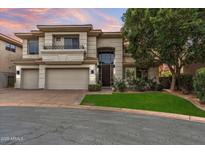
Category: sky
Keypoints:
(23, 20)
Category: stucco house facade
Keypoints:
(10, 50)
(71, 57)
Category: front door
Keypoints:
(106, 75)
(106, 59)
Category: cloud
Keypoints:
(21, 20)
(13, 25)
(108, 23)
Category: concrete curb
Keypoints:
(113, 109)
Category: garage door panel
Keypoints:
(67, 78)
(30, 79)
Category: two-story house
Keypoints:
(10, 50)
(71, 57)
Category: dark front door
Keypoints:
(106, 74)
(106, 59)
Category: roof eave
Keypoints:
(65, 28)
(10, 40)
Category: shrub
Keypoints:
(140, 84)
(199, 84)
(94, 87)
(120, 85)
(166, 74)
(158, 87)
(147, 84)
(165, 82)
(154, 86)
(185, 83)
(130, 78)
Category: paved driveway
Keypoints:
(32, 125)
(17, 97)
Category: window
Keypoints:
(33, 47)
(71, 42)
(106, 58)
(10, 47)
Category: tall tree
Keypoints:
(175, 37)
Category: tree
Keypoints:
(175, 37)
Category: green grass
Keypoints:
(152, 101)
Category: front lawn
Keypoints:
(153, 101)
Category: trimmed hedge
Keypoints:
(94, 87)
(199, 84)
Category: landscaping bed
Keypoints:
(151, 101)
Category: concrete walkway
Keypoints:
(17, 97)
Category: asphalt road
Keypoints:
(27, 125)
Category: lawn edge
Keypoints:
(194, 101)
(146, 112)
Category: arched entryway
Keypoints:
(106, 65)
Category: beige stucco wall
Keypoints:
(7, 58)
(92, 47)
(117, 44)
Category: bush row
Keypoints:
(138, 84)
(184, 82)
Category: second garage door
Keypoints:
(67, 78)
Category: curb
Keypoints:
(150, 113)
(113, 109)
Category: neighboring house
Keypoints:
(191, 69)
(10, 50)
(71, 57)
(187, 69)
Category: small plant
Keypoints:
(130, 78)
(199, 84)
(147, 84)
(141, 84)
(120, 85)
(94, 87)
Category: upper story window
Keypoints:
(71, 42)
(10, 47)
(33, 46)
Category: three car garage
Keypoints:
(56, 78)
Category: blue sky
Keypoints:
(23, 20)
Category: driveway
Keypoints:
(17, 97)
(32, 125)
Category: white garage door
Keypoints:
(67, 78)
(30, 79)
